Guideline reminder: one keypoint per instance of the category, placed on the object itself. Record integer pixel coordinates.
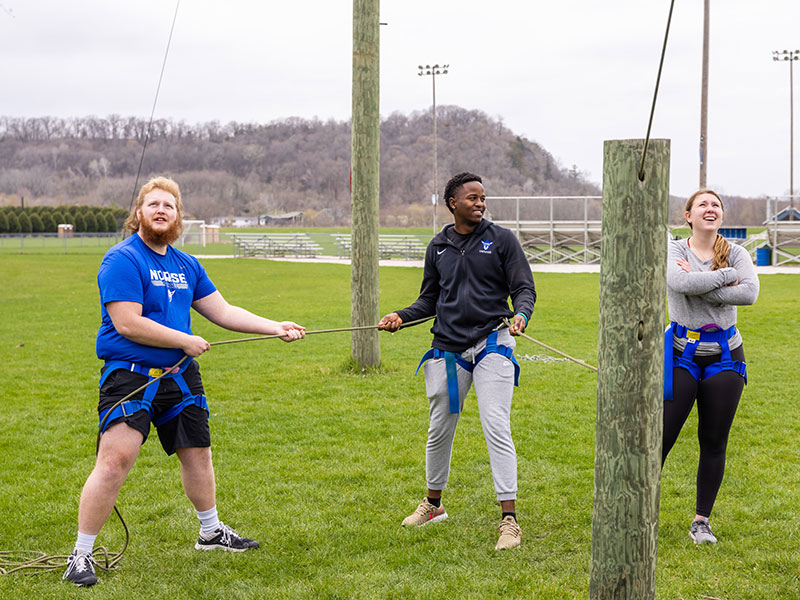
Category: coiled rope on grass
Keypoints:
(32, 561)
(577, 361)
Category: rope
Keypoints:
(655, 94)
(33, 561)
(14, 560)
(545, 358)
(507, 323)
(155, 100)
(44, 562)
(11, 561)
(357, 328)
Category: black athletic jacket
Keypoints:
(468, 291)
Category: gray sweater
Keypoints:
(705, 297)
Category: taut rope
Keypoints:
(543, 345)
(655, 94)
(33, 561)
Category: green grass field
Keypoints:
(320, 464)
(98, 244)
(225, 247)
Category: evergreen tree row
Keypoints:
(46, 219)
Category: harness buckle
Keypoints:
(155, 372)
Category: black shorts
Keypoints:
(189, 429)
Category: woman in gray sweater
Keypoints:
(706, 279)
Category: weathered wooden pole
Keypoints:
(630, 377)
(365, 165)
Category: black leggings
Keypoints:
(717, 400)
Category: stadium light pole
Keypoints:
(704, 99)
(433, 71)
(790, 56)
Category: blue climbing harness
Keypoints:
(686, 359)
(451, 359)
(129, 407)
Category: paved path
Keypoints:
(536, 267)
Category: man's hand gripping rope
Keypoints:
(31, 560)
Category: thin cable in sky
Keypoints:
(155, 100)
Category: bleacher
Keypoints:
(274, 244)
(389, 246)
(558, 241)
(784, 237)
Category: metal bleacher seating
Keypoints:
(558, 241)
(389, 246)
(784, 237)
(274, 244)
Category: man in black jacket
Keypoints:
(471, 268)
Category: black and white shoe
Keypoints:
(80, 569)
(225, 538)
(701, 532)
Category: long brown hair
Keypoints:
(722, 248)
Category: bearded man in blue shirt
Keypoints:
(147, 288)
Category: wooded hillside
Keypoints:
(286, 165)
(291, 164)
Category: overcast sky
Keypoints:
(567, 74)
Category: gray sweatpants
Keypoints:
(493, 377)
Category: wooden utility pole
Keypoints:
(704, 99)
(365, 167)
(630, 376)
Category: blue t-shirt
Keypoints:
(165, 286)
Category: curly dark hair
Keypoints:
(456, 181)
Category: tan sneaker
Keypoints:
(510, 534)
(425, 513)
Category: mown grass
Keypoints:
(320, 464)
(50, 244)
(321, 235)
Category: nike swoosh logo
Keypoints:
(440, 251)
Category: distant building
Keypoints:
(282, 219)
(784, 216)
(289, 218)
(253, 221)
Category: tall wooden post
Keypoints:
(630, 377)
(365, 165)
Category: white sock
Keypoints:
(85, 542)
(209, 521)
